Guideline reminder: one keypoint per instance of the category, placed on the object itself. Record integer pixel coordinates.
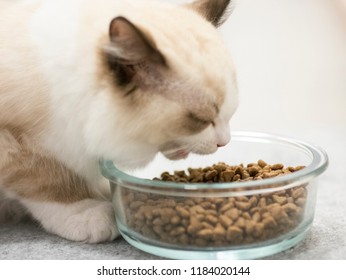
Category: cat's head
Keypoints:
(171, 82)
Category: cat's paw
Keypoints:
(93, 225)
(89, 221)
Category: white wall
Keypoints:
(291, 62)
(291, 59)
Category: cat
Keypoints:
(82, 80)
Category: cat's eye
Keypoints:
(198, 122)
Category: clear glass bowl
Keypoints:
(234, 220)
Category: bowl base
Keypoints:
(218, 254)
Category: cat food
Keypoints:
(217, 221)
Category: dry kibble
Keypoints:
(177, 231)
(240, 222)
(136, 204)
(205, 233)
(269, 222)
(219, 231)
(291, 208)
(253, 170)
(300, 201)
(226, 207)
(279, 199)
(175, 220)
(225, 221)
(246, 215)
(210, 175)
(194, 225)
(211, 219)
(258, 230)
(217, 221)
(262, 202)
(183, 212)
(253, 201)
(299, 192)
(276, 166)
(243, 205)
(234, 234)
(227, 175)
(278, 213)
(207, 225)
(262, 163)
(233, 213)
(249, 227)
(256, 217)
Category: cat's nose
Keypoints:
(223, 140)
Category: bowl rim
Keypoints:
(318, 165)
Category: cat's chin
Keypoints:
(177, 155)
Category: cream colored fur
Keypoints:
(61, 110)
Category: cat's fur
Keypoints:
(124, 80)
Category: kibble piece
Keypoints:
(299, 192)
(210, 175)
(240, 222)
(262, 202)
(232, 213)
(249, 227)
(279, 199)
(262, 163)
(278, 213)
(194, 225)
(197, 209)
(301, 201)
(158, 222)
(290, 208)
(277, 166)
(225, 221)
(182, 212)
(246, 215)
(177, 231)
(220, 167)
(256, 217)
(219, 231)
(243, 205)
(226, 207)
(184, 239)
(201, 242)
(211, 219)
(227, 175)
(269, 222)
(211, 212)
(258, 230)
(253, 171)
(175, 220)
(206, 204)
(253, 200)
(205, 233)
(207, 225)
(234, 234)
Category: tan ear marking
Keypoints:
(130, 45)
(215, 11)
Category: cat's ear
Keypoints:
(129, 51)
(215, 11)
(129, 45)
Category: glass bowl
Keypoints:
(245, 219)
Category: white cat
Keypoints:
(82, 80)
